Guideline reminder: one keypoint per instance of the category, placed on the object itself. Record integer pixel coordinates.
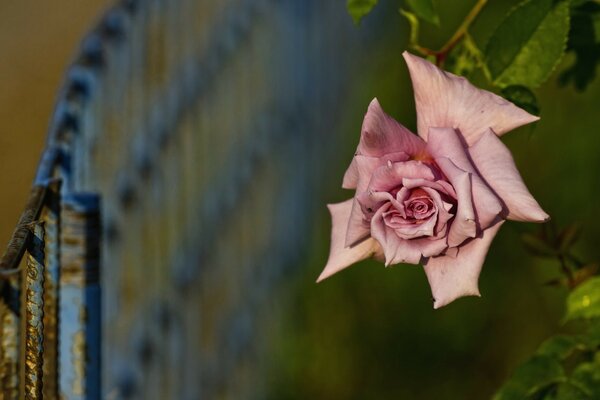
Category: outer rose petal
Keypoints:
(454, 277)
(445, 142)
(380, 135)
(495, 163)
(443, 99)
(341, 257)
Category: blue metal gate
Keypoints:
(182, 165)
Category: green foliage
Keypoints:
(562, 346)
(522, 97)
(584, 301)
(584, 42)
(465, 58)
(529, 43)
(565, 367)
(359, 8)
(531, 378)
(425, 10)
(586, 377)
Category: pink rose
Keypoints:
(439, 198)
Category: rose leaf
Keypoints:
(425, 10)
(522, 97)
(529, 43)
(534, 376)
(584, 301)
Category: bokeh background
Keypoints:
(369, 332)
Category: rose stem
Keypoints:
(441, 54)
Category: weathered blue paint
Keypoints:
(79, 311)
(192, 138)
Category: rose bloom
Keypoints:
(436, 199)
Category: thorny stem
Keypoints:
(441, 54)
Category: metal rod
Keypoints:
(9, 263)
(34, 312)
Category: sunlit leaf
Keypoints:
(522, 97)
(359, 8)
(530, 378)
(584, 41)
(538, 247)
(529, 43)
(584, 301)
(425, 10)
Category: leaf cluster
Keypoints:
(565, 367)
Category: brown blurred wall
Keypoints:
(37, 40)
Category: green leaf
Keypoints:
(562, 346)
(537, 246)
(522, 97)
(586, 377)
(584, 301)
(571, 391)
(359, 8)
(584, 42)
(532, 377)
(425, 10)
(529, 43)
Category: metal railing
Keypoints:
(182, 165)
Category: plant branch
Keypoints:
(441, 54)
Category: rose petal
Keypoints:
(445, 142)
(341, 257)
(354, 172)
(443, 99)
(463, 226)
(382, 134)
(442, 208)
(358, 229)
(396, 250)
(388, 177)
(430, 247)
(454, 277)
(495, 163)
(439, 185)
(412, 231)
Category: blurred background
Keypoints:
(368, 332)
